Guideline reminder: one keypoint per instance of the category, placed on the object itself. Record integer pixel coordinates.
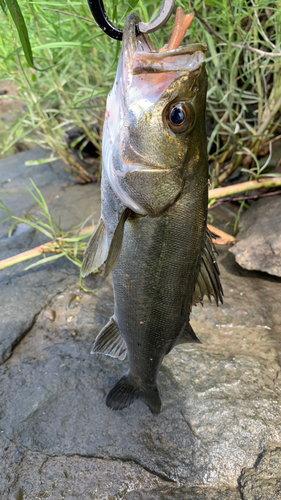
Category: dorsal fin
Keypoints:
(110, 342)
(208, 282)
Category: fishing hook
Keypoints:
(97, 9)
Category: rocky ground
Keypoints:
(218, 436)
(259, 245)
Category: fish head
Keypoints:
(155, 121)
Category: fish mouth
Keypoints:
(142, 57)
(188, 58)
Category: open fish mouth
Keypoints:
(171, 57)
(190, 58)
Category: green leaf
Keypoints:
(83, 288)
(3, 6)
(18, 19)
(46, 259)
(59, 45)
(212, 49)
(29, 163)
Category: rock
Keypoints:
(24, 294)
(70, 202)
(17, 495)
(184, 493)
(218, 436)
(35, 475)
(14, 175)
(50, 314)
(263, 481)
(259, 238)
(221, 401)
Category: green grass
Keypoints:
(69, 244)
(81, 64)
(243, 64)
(77, 63)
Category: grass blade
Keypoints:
(19, 21)
(45, 260)
(3, 6)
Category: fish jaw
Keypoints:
(136, 137)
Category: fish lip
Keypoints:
(191, 48)
(180, 61)
(143, 48)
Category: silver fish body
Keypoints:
(154, 211)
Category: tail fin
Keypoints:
(126, 391)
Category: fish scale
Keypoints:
(153, 310)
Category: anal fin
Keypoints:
(96, 251)
(110, 342)
(187, 336)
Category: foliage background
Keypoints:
(61, 67)
(78, 64)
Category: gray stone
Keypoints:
(259, 238)
(60, 188)
(24, 293)
(221, 400)
(76, 477)
(15, 175)
(184, 493)
(263, 481)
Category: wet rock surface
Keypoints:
(218, 436)
(185, 493)
(264, 479)
(24, 294)
(259, 238)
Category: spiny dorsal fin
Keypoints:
(110, 342)
(116, 244)
(208, 280)
(96, 251)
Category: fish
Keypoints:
(152, 234)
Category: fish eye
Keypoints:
(180, 117)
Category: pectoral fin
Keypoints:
(208, 280)
(110, 342)
(96, 251)
(116, 244)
